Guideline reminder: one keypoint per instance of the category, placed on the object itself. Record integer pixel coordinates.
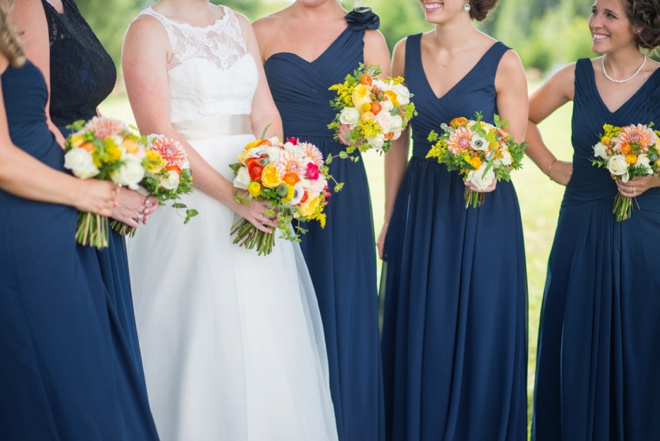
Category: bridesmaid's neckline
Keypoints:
(325, 51)
(459, 82)
(188, 25)
(625, 103)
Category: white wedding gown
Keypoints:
(232, 342)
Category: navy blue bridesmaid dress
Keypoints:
(63, 361)
(82, 75)
(597, 376)
(341, 257)
(455, 326)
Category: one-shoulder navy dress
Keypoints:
(454, 332)
(597, 375)
(341, 257)
(63, 361)
(82, 75)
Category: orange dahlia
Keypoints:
(637, 134)
(105, 127)
(170, 150)
(459, 140)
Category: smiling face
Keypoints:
(610, 27)
(439, 11)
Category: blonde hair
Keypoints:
(9, 43)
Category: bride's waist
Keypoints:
(213, 126)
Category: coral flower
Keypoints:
(460, 140)
(313, 153)
(105, 127)
(170, 150)
(637, 134)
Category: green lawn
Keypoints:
(539, 200)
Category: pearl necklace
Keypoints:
(625, 80)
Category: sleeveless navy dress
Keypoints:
(597, 375)
(455, 326)
(63, 361)
(82, 75)
(341, 257)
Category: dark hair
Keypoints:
(645, 16)
(481, 8)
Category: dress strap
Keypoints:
(167, 23)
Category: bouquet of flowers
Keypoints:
(376, 111)
(480, 151)
(167, 176)
(292, 176)
(627, 152)
(103, 148)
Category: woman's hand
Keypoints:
(636, 186)
(255, 213)
(131, 208)
(344, 129)
(98, 197)
(488, 189)
(561, 172)
(150, 205)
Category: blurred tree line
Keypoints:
(546, 33)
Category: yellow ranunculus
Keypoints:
(631, 158)
(113, 152)
(308, 207)
(393, 97)
(155, 162)
(254, 188)
(76, 141)
(361, 95)
(270, 177)
(605, 140)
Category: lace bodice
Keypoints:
(211, 71)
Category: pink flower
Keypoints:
(105, 127)
(292, 140)
(313, 171)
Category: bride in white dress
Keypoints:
(232, 342)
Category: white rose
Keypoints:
(242, 178)
(274, 153)
(479, 143)
(384, 120)
(130, 173)
(644, 161)
(396, 123)
(386, 105)
(600, 150)
(480, 179)
(171, 181)
(506, 158)
(618, 166)
(376, 141)
(382, 85)
(81, 163)
(350, 116)
(403, 95)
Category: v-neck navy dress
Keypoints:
(597, 371)
(455, 326)
(341, 257)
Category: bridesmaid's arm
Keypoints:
(264, 112)
(554, 93)
(145, 54)
(376, 51)
(30, 18)
(26, 177)
(396, 158)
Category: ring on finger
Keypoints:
(140, 217)
(634, 190)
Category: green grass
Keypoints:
(539, 201)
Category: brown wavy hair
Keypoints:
(645, 16)
(9, 43)
(481, 9)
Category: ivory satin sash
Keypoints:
(215, 125)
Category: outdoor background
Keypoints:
(546, 34)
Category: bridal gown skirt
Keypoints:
(232, 342)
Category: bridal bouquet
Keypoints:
(292, 176)
(167, 176)
(376, 111)
(480, 151)
(627, 152)
(103, 148)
